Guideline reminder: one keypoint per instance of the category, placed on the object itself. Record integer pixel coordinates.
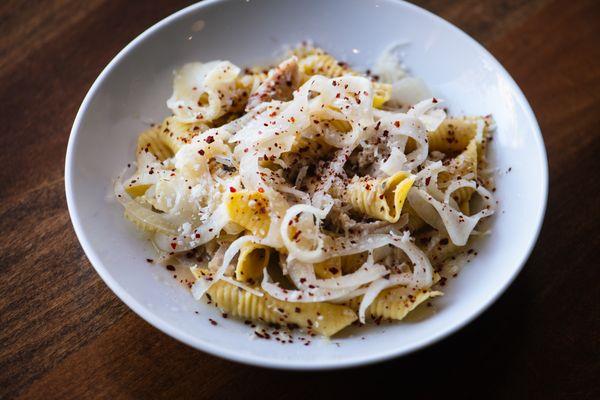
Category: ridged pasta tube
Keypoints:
(380, 198)
(151, 141)
(464, 164)
(395, 303)
(164, 140)
(252, 260)
(314, 61)
(454, 134)
(321, 318)
(249, 210)
(306, 148)
(327, 269)
(175, 133)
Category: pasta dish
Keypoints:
(309, 194)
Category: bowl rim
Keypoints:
(290, 364)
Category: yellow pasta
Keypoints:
(353, 262)
(465, 205)
(415, 222)
(249, 210)
(322, 318)
(395, 303)
(442, 251)
(322, 64)
(382, 93)
(454, 134)
(252, 260)
(307, 148)
(342, 126)
(464, 164)
(380, 198)
(327, 269)
(175, 134)
(314, 61)
(136, 190)
(164, 140)
(151, 141)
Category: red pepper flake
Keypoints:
(296, 235)
(213, 322)
(427, 180)
(170, 267)
(224, 315)
(173, 246)
(197, 235)
(232, 189)
(261, 190)
(209, 139)
(201, 152)
(397, 124)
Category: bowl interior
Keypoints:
(132, 92)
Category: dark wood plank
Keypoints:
(63, 334)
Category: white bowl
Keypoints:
(133, 88)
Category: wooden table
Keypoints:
(64, 334)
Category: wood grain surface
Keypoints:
(65, 335)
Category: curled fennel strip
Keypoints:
(370, 295)
(311, 295)
(202, 285)
(444, 217)
(206, 232)
(402, 128)
(311, 289)
(143, 217)
(294, 250)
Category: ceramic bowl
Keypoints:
(132, 91)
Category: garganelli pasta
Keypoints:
(309, 194)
